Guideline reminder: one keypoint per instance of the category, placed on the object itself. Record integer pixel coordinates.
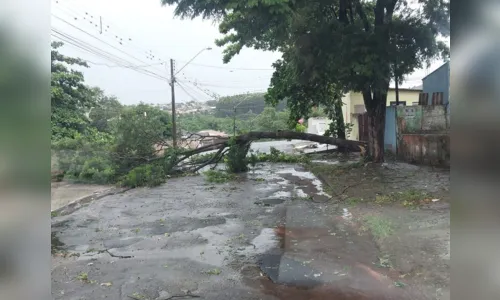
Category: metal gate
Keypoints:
(363, 127)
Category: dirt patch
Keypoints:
(405, 208)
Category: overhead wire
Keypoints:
(229, 68)
(93, 36)
(197, 92)
(194, 98)
(124, 39)
(120, 62)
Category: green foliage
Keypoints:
(236, 158)
(380, 227)
(71, 99)
(244, 104)
(201, 158)
(89, 152)
(106, 112)
(270, 119)
(97, 170)
(146, 175)
(330, 47)
(139, 130)
(277, 156)
(214, 176)
(300, 127)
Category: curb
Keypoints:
(78, 203)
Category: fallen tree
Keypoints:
(182, 163)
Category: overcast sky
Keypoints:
(146, 35)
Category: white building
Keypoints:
(317, 125)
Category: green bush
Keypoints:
(300, 128)
(214, 176)
(145, 175)
(97, 170)
(236, 158)
(276, 156)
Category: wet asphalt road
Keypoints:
(214, 241)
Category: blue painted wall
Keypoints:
(390, 129)
(438, 81)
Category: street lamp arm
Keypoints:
(192, 59)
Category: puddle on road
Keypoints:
(324, 262)
(270, 201)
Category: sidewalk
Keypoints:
(64, 193)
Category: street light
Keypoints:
(208, 48)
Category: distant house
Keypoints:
(318, 125)
(210, 136)
(354, 105)
(438, 82)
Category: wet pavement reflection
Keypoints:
(251, 239)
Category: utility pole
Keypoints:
(172, 85)
(234, 120)
(397, 92)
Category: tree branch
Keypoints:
(343, 12)
(361, 13)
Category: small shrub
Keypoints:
(97, 170)
(236, 158)
(276, 156)
(214, 176)
(300, 127)
(146, 175)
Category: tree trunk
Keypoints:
(340, 120)
(375, 107)
(293, 135)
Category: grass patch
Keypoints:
(334, 170)
(83, 277)
(354, 200)
(54, 214)
(214, 272)
(380, 227)
(384, 262)
(308, 198)
(214, 176)
(259, 179)
(408, 198)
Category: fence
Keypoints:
(420, 133)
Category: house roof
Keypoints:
(446, 63)
(212, 133)
(412, 89)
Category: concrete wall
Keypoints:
(438, 81)
(423, 134)
(390, 129)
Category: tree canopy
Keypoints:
(71, 99)
(332, 46)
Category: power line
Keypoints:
(228, 68)
(196, 91)
(206, 92)
(89, 34)
(126, 41)
(103, 54)
(185, 91)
